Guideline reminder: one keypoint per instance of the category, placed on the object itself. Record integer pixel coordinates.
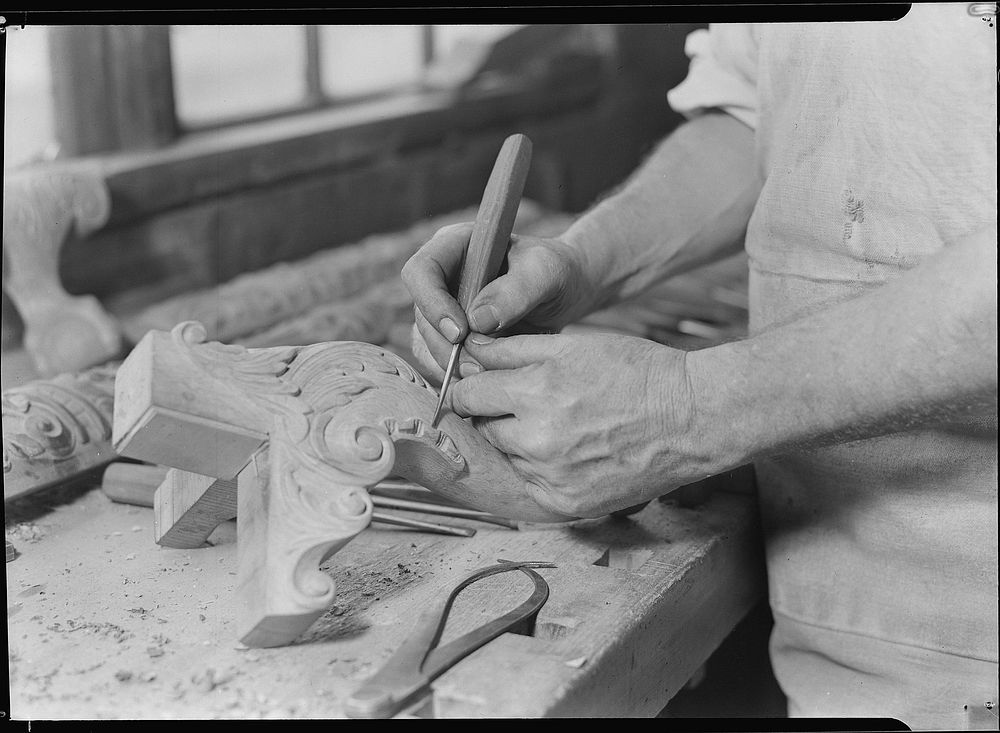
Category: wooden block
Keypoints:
(170, 411)
(132, 483)
(189, 506)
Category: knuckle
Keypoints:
(451, 230)
(551, 261)
(408, 272)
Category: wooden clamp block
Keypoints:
(304, 431)
(188, 506)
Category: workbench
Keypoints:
(105, 624)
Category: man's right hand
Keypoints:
(544, 288)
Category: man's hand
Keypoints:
(544, 288)
(594, 423)
(687, 205)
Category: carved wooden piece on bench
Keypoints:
(55, 429)
(42, 208)
(307, 429)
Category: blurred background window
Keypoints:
(226, 73)
(359, 60)
(29, 128)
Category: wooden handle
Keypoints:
(495, 220)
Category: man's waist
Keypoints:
(893, 537)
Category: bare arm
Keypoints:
(686, 206)
(917, 351)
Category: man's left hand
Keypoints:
(594, 423)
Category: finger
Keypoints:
(437, 346)
(429, 274)
(489, 394)
(513, 352)
(532, 278)
(429, 368)
(439, 350)
(467, 365)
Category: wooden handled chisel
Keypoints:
(490, 234)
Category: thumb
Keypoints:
(512, 352)
(528, 282)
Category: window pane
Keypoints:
(447, 37)
(29, 127)
(221, 72)
(360, 59)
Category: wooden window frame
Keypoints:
(114, 105)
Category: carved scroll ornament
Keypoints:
(306, 430)
(56, 429)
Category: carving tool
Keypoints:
(389, 502)
(421, 525)
(408, 674)
(490, 235)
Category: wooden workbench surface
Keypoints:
(103, 623)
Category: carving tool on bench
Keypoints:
(427, 507)
(490, 235)
(407, 676)
(417, 524)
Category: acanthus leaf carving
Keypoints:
(56, 427)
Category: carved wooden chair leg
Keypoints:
(285, 530)
(42, 209)
(188, 507)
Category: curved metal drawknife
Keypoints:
(409, 672)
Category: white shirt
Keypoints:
(877, 145)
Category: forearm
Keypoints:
(687, 205)
(919, 350)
